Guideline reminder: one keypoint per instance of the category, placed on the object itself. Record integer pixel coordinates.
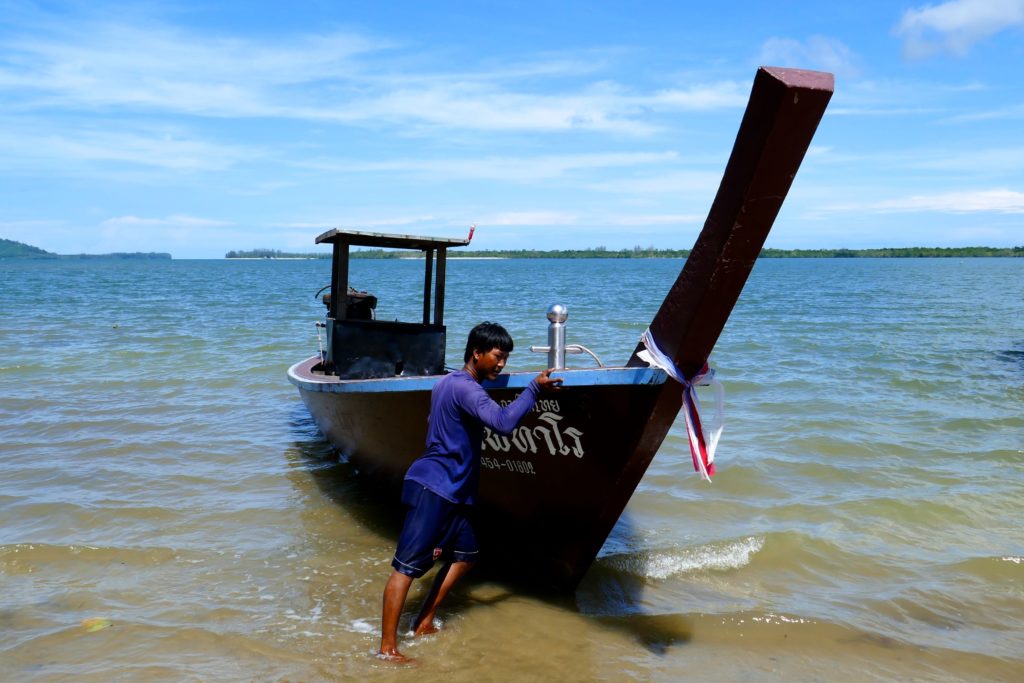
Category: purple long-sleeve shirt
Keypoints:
(459, 411)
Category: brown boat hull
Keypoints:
(545, 489)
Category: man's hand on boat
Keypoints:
(548, 383)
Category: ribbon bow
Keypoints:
(702, 445)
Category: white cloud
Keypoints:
(183, 235)
(903, 97)
(996, 201)
(817, 52)
(32, 144)
(556, 219)
(432, 224)
(962, 164)
(985, 234)
(479, 105)
(37, 233)
(513, 169)
(1000, 201)
(882, 111)
(476, 106)
(957, 25)
(29, 226)
(353, 222)
(335, 77)
(723, 95)
(178, 221)
(1013, 111)
(531, 218)
(976, 161)
(676, 182)
(107, 62)
(634, 220)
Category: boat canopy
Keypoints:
(343, 239)
(379, 239)
(361, 349)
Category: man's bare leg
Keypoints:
(395, 592)
(446, 578)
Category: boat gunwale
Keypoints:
(300, 374)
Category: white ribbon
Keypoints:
(652, 355)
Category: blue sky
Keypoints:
(196, 128)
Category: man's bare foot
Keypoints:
(393, 655)
(425, 628)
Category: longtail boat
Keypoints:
(551, 491)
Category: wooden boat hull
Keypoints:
(550, 492)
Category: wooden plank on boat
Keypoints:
(339, 281)
(427, 285)
(442, 259)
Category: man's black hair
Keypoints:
(487, 336)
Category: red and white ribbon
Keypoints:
(702, 442)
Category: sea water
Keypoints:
(170, 512)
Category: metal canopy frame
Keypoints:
(341, 240)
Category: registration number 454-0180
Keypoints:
(508, 465)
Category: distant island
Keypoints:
(19, 250)
(649, 252)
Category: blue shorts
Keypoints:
(434, 528)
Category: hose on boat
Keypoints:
(580, 348)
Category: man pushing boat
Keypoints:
(440, 487)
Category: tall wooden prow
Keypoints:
(781, 118)
(782, 115)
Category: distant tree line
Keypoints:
(597, 252)
(120, 255)
(895, 252)
(274, 253)
(650, 252)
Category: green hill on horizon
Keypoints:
(13, 249)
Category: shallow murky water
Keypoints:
(171, 513)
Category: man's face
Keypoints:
(491, 363)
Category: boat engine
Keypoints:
(358, 305)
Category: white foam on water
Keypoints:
(772, 618)
(715, 557)
(361, 626)
(438, 624)
(1015, 560)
